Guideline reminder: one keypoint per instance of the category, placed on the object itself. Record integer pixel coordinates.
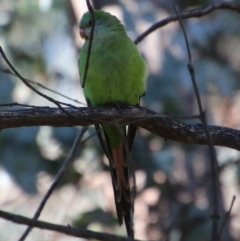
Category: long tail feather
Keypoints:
(119, 168)
(122, 191)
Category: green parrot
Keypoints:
(116, 75)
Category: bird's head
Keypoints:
(104, 23)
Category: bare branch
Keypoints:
(56, 180)
(58, 103)
(8, 71)
(76, 232)
(17, 104)
(213, 159)
(160, 125)
(226, 218)
(194, 13)
(90, 9)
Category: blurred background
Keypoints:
(173, 201)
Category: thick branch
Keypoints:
(158, 124)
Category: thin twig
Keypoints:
(56, 180)
(213, 159)
(194, 13)
(226, 218)
(75, 232)
(17, 104)
(58, 103)
(8, 71)
(90, 9)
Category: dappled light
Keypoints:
(173, 197)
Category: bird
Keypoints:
(116, 75)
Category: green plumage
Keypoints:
(117, 71)
(116, 74)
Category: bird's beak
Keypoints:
(82, 32)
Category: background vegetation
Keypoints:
(173, 199)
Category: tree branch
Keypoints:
(76, 232)
(58, 103)
(56, 180)
(213, 159)
(194, 13)
(161, 125)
